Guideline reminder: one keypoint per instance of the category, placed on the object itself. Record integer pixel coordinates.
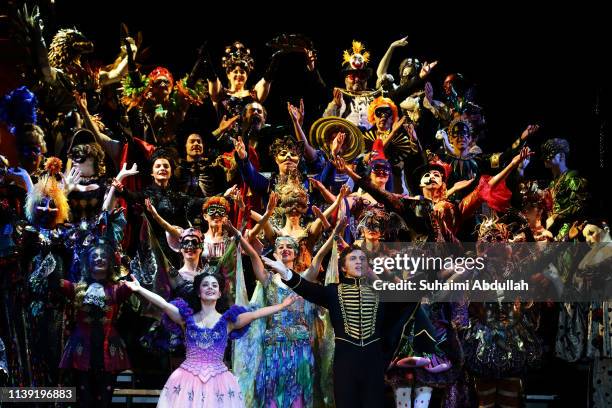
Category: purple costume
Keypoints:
(203, 380)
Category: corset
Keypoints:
(204, 351)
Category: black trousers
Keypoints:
(359, 375)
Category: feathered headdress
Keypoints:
(358, 59)
(17, 108)
(49, 185)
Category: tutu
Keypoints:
(185, 389)
(203, 380)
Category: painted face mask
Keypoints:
(216, 211)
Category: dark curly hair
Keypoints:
(345, 252)
(194, 299)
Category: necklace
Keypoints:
(372, 94)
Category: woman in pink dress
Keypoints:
(203, 380)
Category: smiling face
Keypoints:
(237, 77)
(215, 215)
(191, 248)
(355, 264)
(194, 147)
(209, 289)
(99, 263)
(162, 171)
(285, 250)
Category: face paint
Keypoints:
(433, 177)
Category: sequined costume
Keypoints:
(501, 341)
(203, 380)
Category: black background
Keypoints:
(530, 65)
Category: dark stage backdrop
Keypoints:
(530, 65)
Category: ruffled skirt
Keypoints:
(186, 390)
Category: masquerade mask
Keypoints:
(381, 169)
(383, 111)
(216, 211)
(191, 243)
(287, 154)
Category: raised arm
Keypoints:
(316, 226)
(166, 307)
(119, 70)
(254, 179)
(312, 292)
(328, 196)
(297, 118)
(312, 272)
(173, 230)
(246, 318)
(109, 199)
(111, 147)
(257, 264)
(390, 200)
(264, 220)
(383, 65)
(524, 153)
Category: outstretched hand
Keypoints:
(240, 148)
(272, 202)
(529, 130)
(296, 113)
(319, 214)
(227, 224)
(150, 207)
(277, 266)
(133, 283)
(125, 172)
(427, 67)
(524, 154)
(227, 124)
(289, 300)
(72, 180)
